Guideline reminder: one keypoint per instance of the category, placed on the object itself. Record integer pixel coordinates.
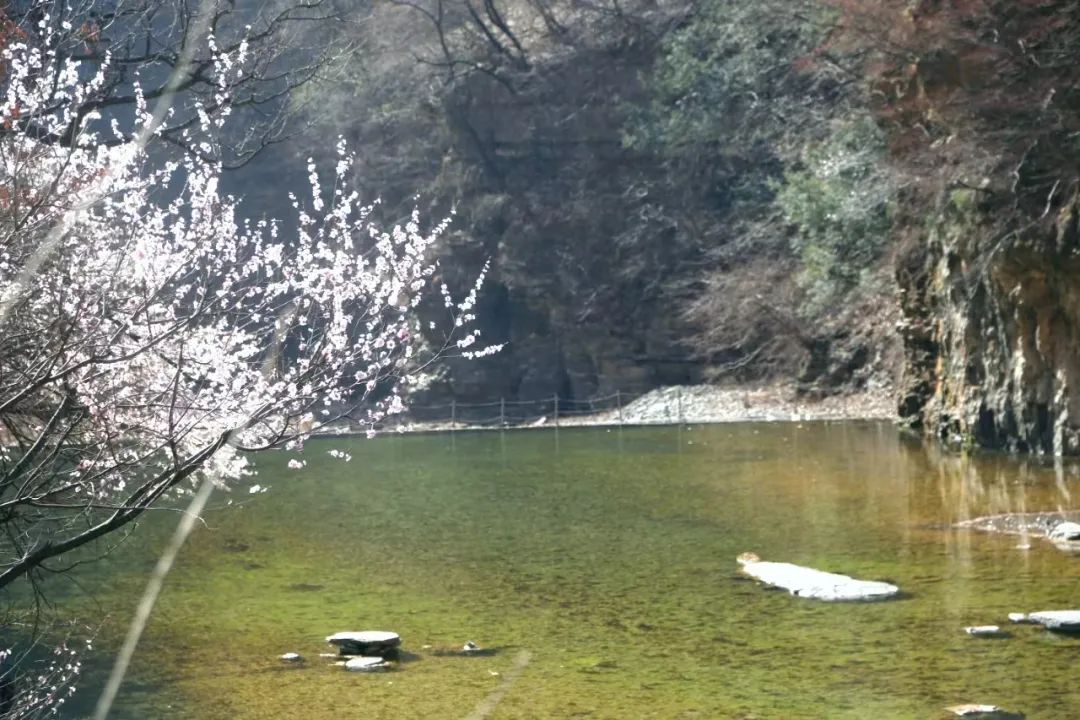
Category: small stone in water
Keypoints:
(984, 631)
(470, 646)
(984, 712)
(292, 657)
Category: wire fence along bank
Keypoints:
(546, 411)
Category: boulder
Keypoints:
(366, 642)
(815, 584)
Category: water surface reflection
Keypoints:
(609, 555)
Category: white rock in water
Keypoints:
(971, 709)
(1065, 531)
(1059, 620)
(816, 584)
(365, 664)
(983, 630)
(291, 657)
(989, 712)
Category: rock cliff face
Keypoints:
(992, 329)
(985, 127)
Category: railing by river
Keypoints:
(551, 411)
(671, 405)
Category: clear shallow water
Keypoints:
(610, 557)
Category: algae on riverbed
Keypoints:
(610, 557)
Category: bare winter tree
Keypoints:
(155, 43)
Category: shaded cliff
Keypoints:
(984, 122)
(992, 330)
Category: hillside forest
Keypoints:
(841, 195)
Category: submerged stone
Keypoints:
(815, 584)
(366, 664)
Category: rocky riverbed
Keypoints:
(710, 403)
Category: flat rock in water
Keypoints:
(816, 584)
(1063, 621)
(991, 631)
(366, 642)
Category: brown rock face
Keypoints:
(992, 330)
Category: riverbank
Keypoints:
(703, 404)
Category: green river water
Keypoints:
(600, 567)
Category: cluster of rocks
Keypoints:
(814, 584)
(1066, 622)
(1063, 530)
(370, 650)
(1060, 528)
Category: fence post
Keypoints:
(453, 414)
(618, 404)
(502, 412)
(556, 410)
(678, 397)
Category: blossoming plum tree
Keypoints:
(151, 334)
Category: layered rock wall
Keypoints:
(992, 329)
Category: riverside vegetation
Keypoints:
(844, 195)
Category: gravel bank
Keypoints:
(714, 404)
